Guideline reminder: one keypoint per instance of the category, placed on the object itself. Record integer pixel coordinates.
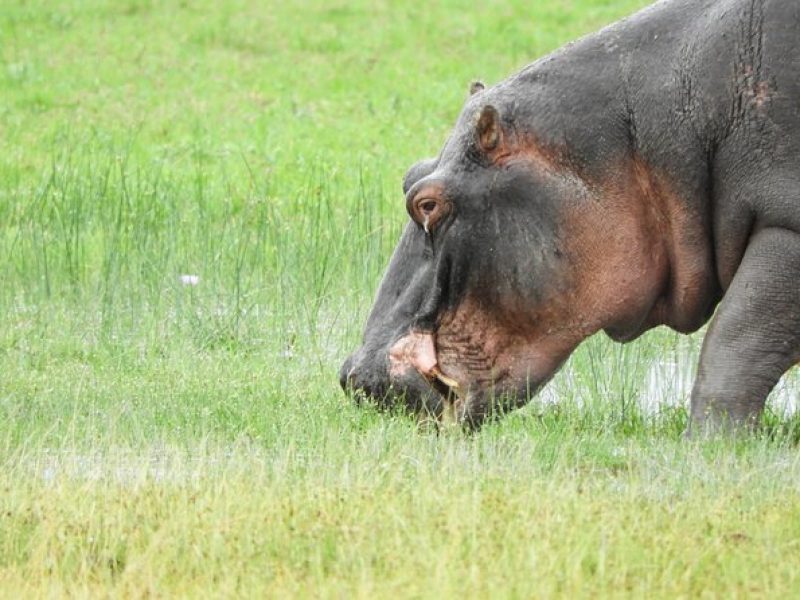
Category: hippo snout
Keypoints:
(366, 376)
(344, 372)
(360, 379)
(362, 375)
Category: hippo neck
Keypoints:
(638, 224)
(641, 256)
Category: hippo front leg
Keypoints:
(754, 337)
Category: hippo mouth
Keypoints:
(407, 377)
(461, 373)
(452, 395)
(417, 351)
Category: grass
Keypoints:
(165, 439)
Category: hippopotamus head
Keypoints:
(490, 286)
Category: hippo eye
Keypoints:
(427, 206)
(428, 212)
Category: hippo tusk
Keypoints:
(450, 383)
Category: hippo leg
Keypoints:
(754, 337)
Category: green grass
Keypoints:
(162, 439)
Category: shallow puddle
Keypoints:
(669, 383)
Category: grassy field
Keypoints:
(166, 438)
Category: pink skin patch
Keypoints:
(413, 351)
(417, 351)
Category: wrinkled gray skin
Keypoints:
(704, 93)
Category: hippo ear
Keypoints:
(489, 131)
(475, 87)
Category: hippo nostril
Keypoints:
(360, 381)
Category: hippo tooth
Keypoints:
(451, 383)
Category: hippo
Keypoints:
(644, 175)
